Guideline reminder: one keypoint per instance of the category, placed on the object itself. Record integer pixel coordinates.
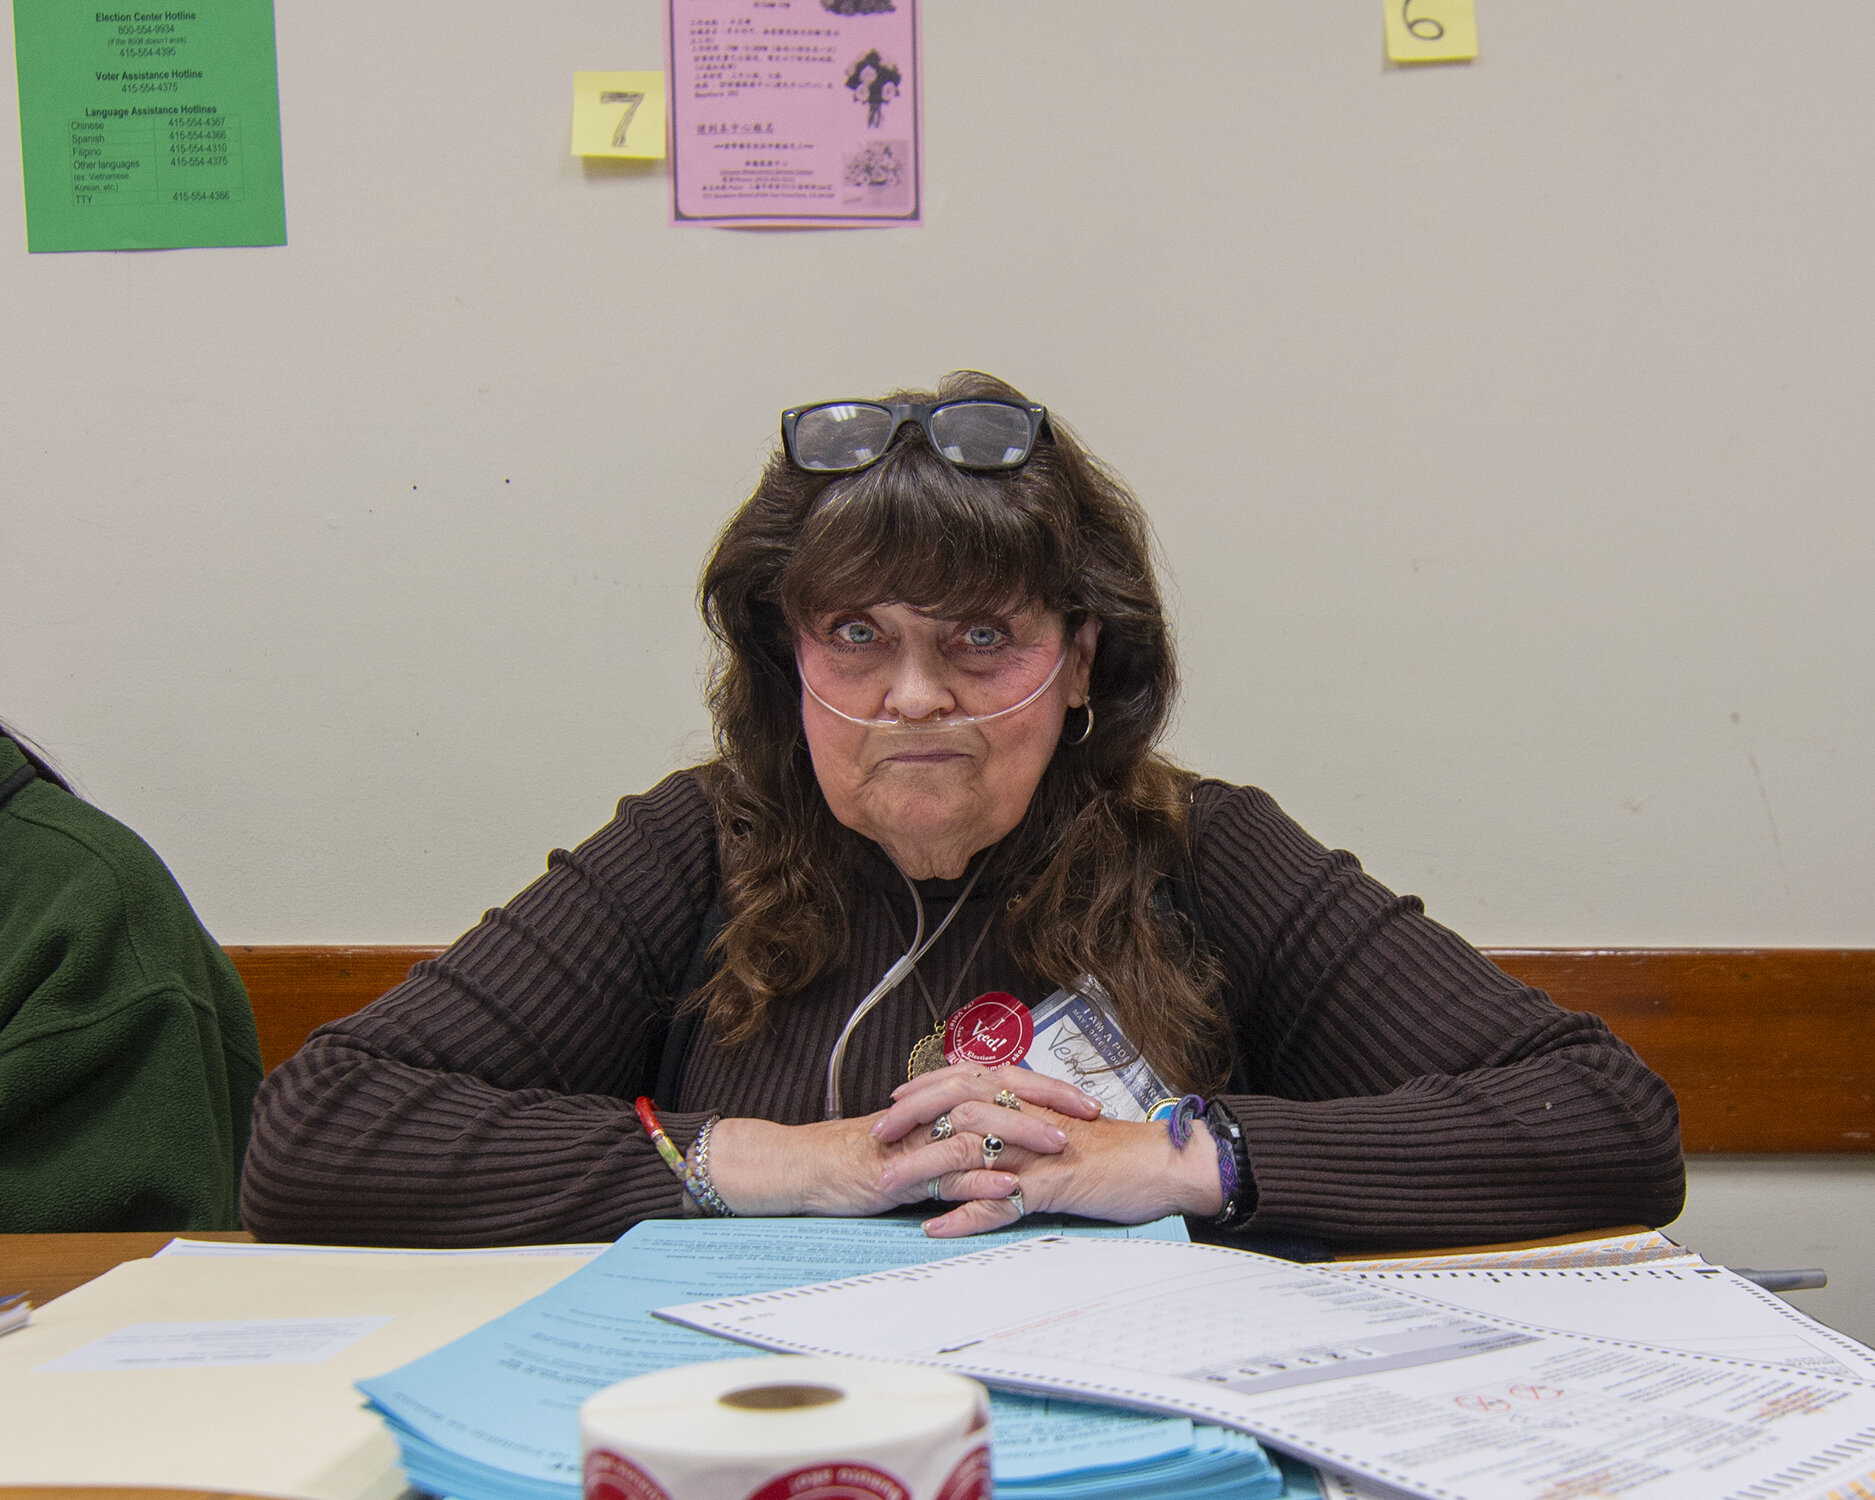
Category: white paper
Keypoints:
(228, 1341)
(1385, 1384)
(1699, 1308)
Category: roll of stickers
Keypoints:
(785, 1427)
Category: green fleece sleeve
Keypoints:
(128, 1059)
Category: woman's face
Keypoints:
(933, 797)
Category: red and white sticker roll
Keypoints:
(785, 1427)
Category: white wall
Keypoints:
(1507, 428)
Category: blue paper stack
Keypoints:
(494, 1416)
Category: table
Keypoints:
(48, 1265)
(45, 1266)
(1580, 1237)
(93, 1492)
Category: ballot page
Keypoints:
(1378, 1382)
(1696, 1307)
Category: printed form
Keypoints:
(794, 113)
(511, 1389)
(1378, 1382)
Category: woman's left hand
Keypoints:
(1124, 1172)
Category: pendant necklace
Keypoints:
(927, 1053)
(893, 977)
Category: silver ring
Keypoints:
(934, 1188)
(992, 1148)
(1007, 1098)
(1015, 1197)
(941, 1127)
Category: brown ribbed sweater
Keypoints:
(1404, 1089)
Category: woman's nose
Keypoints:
(918, 688)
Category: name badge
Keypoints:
(1078, 1040)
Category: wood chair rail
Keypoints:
(1767, 1049)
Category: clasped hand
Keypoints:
(1057, 1148)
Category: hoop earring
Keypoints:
(1088, 730)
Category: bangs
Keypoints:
(914, 529)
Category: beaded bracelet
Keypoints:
(1232, 1161)
(696, 1180)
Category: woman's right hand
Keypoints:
(979, 1098)
(841, 1168)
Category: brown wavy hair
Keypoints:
(1105, 828)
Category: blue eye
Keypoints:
(982, 637)
(855, 633)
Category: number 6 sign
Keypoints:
(1423, 31)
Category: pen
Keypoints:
(1784, 1281)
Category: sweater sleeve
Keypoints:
(487, 1099)
(128, 1058)
(1402, 1088)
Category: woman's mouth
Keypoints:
(936, 755)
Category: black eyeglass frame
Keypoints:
(921, 413)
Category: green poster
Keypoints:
(147, 128)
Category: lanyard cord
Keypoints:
(939, 1013)
(893, 978)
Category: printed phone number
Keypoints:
(149, 88)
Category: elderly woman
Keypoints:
(939, 922)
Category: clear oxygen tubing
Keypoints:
(893, 978)
(959, 721)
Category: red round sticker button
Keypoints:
(610, 1476)
(970, 1480)
(993, 1029)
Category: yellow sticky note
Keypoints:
(619, 114)
(1423, 31)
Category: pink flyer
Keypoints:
(794, 113)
